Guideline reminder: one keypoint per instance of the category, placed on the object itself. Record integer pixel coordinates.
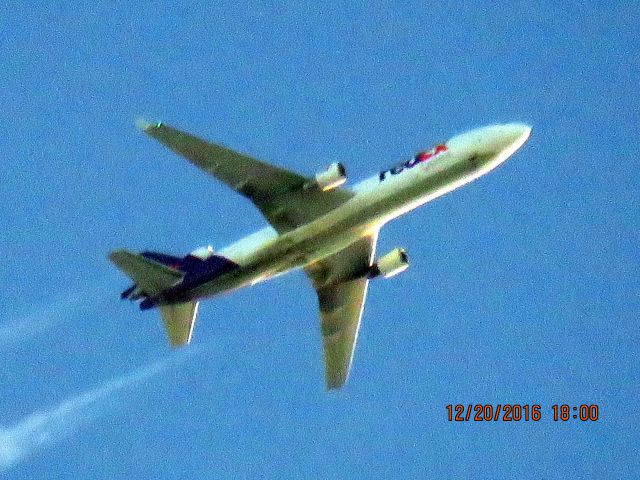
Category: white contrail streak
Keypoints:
(41, 428)
(18, 330)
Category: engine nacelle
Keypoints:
(334, 176)
(393, 263)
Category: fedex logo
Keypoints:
(419, 158)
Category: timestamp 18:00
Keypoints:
(519, 412)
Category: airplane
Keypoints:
(316, 224)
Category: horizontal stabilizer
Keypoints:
(150, 276)
(179, 319)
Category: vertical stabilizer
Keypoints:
(179, 320)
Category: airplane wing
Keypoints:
(341, 284)
(278, 193)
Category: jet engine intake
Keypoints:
(393, 263)
(334, 176)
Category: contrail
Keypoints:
(41, 428)
(25, 327)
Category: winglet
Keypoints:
(145, 125)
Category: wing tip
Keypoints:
(335, 382)
(115, 255)
(118, 254)
(145, 125)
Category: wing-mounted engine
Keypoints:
(329, 179)
(393, 263)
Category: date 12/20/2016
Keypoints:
(513, 412)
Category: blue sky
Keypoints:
(523, 286)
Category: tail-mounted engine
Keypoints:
(393, 263)
(334, 176)
(203, 252)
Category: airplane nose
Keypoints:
(511, 137)
(491, 145)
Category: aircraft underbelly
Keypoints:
(335, 231)
(287, 253)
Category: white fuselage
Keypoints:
(377, 200)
